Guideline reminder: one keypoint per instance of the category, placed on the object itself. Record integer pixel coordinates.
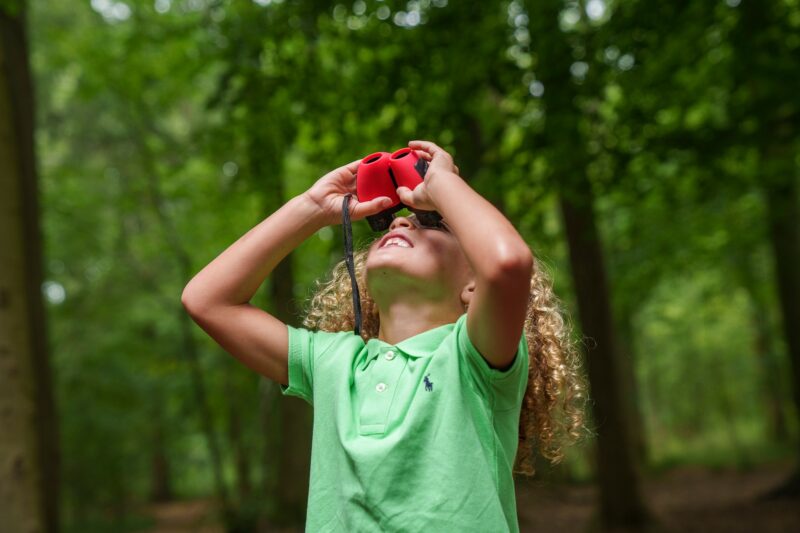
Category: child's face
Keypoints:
(433, 263)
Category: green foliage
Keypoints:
(11, 8)
(168, 129)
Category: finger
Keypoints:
(424, 155)
(436, 151)
(371, 207)
(428, 146)
(352, 166)
(406, 195)
(351, 173)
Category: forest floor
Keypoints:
(184, 516)
(686, 499)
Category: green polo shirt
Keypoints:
(416, 436)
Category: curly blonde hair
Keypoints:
(553, 408)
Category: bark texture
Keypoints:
(28, 441)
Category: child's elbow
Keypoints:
(191, 301)
(513, 263)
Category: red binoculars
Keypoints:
(381, 173)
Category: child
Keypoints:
(463, 355)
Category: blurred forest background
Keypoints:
(647, 151)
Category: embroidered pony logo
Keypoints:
(428, 384)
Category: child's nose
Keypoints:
(405, 221)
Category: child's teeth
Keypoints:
(397, 242)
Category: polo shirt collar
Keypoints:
(420, 345)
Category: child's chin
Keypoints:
(380, 260)
(381, 254)
(388, 263)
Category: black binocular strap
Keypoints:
(348, 255)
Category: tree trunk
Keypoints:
(241, 459)
(771, 106)
(764, 346)
(618, 472)
(783, 215)
(160, 485)
(29, 440)
(631, 395)
(619, 476)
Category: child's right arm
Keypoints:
(218, 297)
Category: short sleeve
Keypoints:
(306, 349)
(504, 388)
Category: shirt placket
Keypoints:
(384, 380)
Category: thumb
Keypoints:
(372, 207)
(405, 194)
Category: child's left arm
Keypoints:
(500, 258)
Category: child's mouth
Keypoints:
(396, 238)
(398, 242)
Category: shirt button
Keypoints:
(390, 355)
(380, 387)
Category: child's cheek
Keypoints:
(444, 254)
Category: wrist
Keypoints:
(436, 183)
(309, 211)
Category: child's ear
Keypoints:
(467, 292)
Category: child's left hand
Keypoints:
(418, 198)
(438, 160)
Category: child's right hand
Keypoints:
(328, 192)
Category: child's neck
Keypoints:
(401, 320)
